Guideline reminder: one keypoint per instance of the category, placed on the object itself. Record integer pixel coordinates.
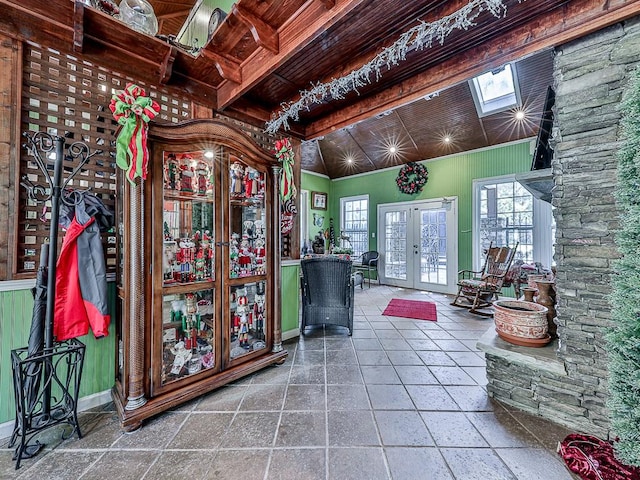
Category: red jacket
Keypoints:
(81, 282)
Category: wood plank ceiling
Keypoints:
(266, 52)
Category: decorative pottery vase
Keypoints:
(529, 293)
(532, 279)
(521, 323)
(547, 297)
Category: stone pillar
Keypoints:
(570, 386)
(590, 76)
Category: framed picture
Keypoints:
(318, 201)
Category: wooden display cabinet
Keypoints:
(199, 276)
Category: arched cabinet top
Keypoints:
(196, 133)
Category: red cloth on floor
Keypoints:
(593, 459)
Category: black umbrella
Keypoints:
(35, 346)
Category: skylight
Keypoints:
(495, 91)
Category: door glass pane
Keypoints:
(248, 319)
(187, 218)
(433, 246)
(188, 332)
(395, 241)
(247, 221)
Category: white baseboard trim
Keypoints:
(85, 403)
(289, 334)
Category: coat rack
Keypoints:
(47, 373)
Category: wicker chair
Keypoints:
(478, 289)
(368, 263)
(327, 292)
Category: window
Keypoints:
(506, 213)
(495, 91)
(354, 223)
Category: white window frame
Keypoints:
(499, 104)
(356, 198)
(543, 226)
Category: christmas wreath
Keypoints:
(412, 177)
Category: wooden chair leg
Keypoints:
(455, 300)
(476, 306)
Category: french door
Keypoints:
(418, 244)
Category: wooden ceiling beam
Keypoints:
(406, 130)
(328, 4)
(572, 20)
(264, 34)
(228, 68)
(324, 165)
(362, 150)
(173, 3)
(176, 14)
(311, 22)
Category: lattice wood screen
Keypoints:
(68, 97)
(257, 134)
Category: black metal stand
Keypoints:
(59, 368)
(46, 374)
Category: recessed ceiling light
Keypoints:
(392, 148)
(208, 154)
(447, 139)
(520, 115)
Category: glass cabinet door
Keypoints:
(247, 259)
(188, 334)
(248, 235)
(188, 218)
(248, 319)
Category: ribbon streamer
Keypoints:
(284, 154)
(133, 110)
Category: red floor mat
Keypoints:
(416, 309)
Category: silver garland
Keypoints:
(420, 37)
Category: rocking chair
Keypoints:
(478, 289)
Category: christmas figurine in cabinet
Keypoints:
(198, 289)
(248, 319)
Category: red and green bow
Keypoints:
(284, 154)
(133, 110)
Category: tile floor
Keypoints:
(400, 399)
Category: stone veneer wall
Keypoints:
(590, 76)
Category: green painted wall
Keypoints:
(316, 183)
(448, 177)
(225, 5)
(15, 321)
(290, 297)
